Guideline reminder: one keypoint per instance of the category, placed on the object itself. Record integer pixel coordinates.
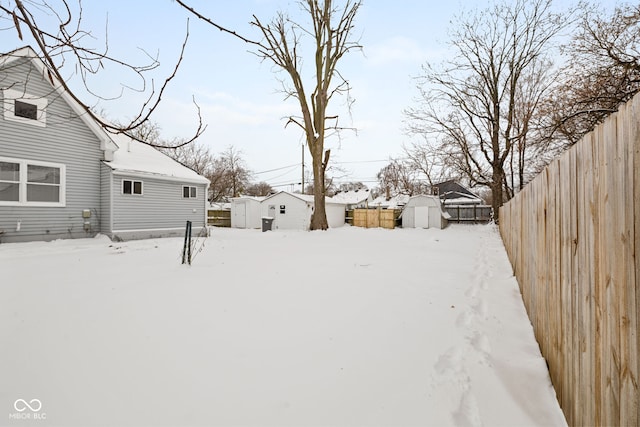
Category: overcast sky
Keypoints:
(239, 95)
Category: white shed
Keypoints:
(292, 211)
(245, 212)
(424, 212)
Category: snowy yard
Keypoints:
(349, 327)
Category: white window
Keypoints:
(26, 182)
(132, 187)
(189, 192)
(24, 108)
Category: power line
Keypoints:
(277, 169)
(361, 161)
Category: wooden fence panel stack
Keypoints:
(219, 218)
(571, 236)
(373, 218)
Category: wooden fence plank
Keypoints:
(572, 237)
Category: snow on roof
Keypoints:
(396, 202)
(351, 197)
(220, 206)
(254, 198)
(463, 201)
(306, 197)
(138, 158)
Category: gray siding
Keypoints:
(105, 200)
(160, 211)
(65, 140)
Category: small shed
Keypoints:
(291, 211)
(246, 212)
(424, 211)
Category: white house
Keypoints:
(292, 211)
(246, 212)
(395, 202)
(353, 199)
(423, 212)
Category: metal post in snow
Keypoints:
(186, 248)
(189, 247)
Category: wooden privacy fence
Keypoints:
(372, 218)
(219, 218)
(571, 236)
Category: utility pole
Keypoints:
(302, 168)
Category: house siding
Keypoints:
(66, 140)
(106, 205)
(160, 211)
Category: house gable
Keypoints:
(50, 166)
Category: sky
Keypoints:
(239, 96)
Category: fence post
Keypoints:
(186, 248)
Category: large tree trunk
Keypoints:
(319, 215)
(496, 192)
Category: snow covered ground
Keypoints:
(349, 327)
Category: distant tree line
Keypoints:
(512, 95)
(227, 172)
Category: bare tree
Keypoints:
(331, 35)
(468, 106)
(426, 162)
(602, 72)
(259, 189)
(399, 178)
(59, 39)
(229, 176)
(195, 156)
(352, 186)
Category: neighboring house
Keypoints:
(395, 202)
(452, 193)
(353, 199)
(63, 176)
(246, 212)
(220, 206)
(424, 212)
(461, 203)
(292, 211)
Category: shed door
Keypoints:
(421, 214)
(241, 215)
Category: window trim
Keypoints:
(193, 192)
(10, 96)
(133, 186)
(23, 181)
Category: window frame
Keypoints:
(133, 187)
(10, 96)
(193, 192)
(23, 182)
